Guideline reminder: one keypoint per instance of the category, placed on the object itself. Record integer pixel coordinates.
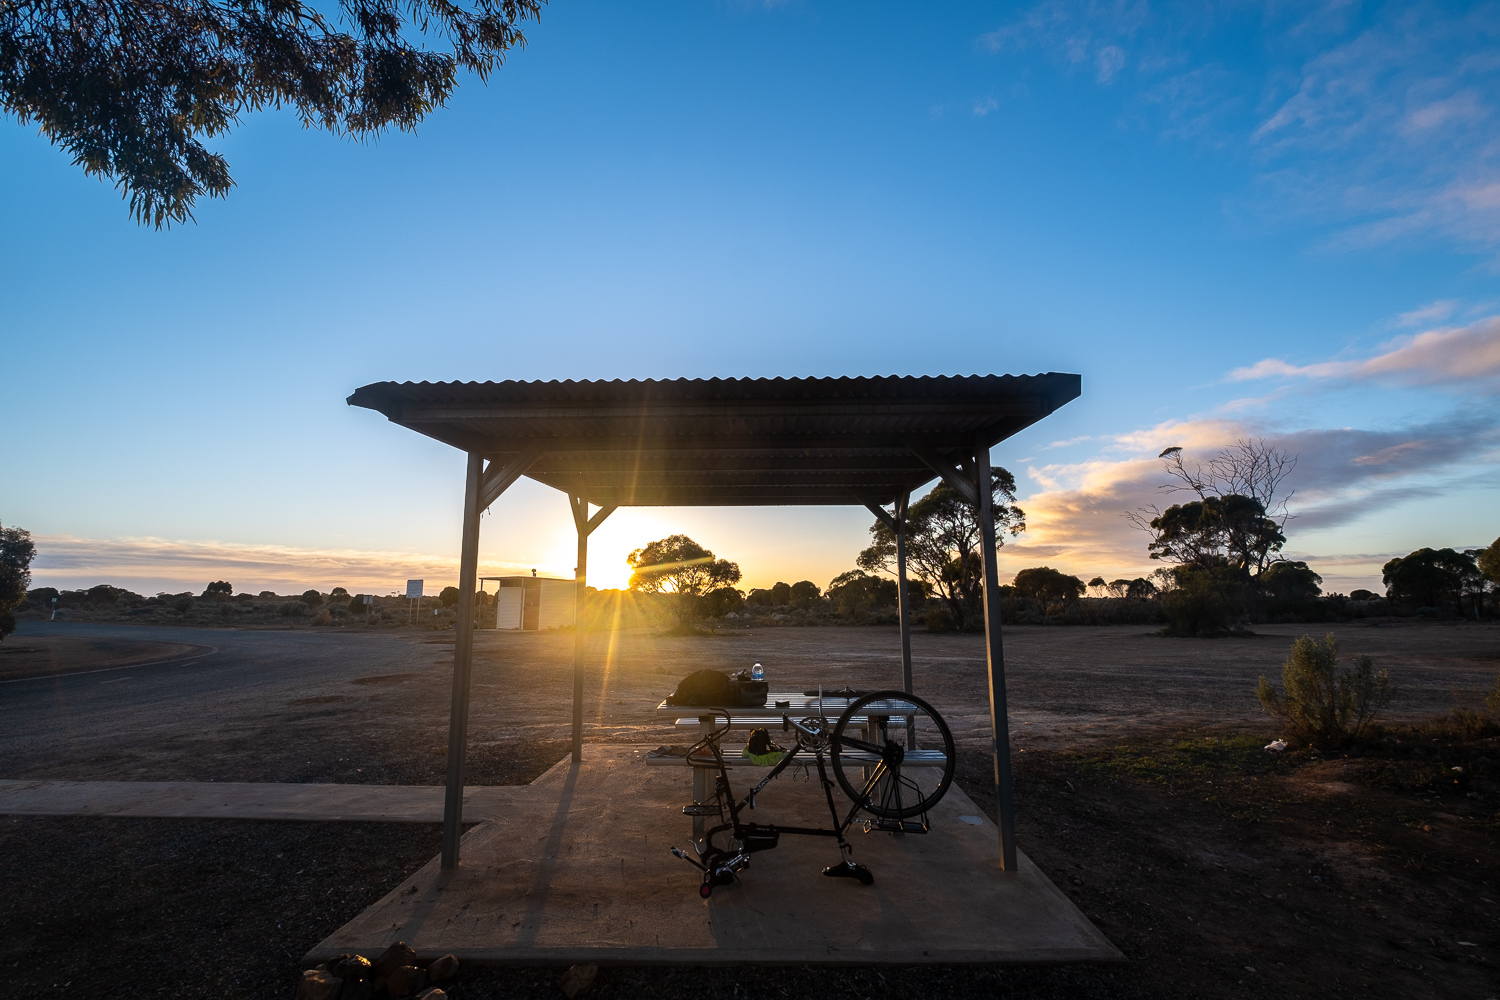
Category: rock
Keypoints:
(394, 957)
(317, 984)
(352, 967)
(432, 994)
(404, 980)
(357, 989)
(577, 979)
(443, 969)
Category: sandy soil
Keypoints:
(44, 656)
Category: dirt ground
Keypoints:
(1141, 789)
(44, 656)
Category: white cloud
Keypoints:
(1448, 356)
(984, 107)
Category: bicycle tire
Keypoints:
(896, 795)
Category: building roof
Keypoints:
(726, 442)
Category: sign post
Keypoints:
(369, 600)
(413, 594)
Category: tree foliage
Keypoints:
(1319, 703)
(942, 544)
(1239, 517)
(1140, 588)
(803, 594)
(131, 89)
(16, 552)
(857, 591)
(218, 590)
(1431, 578)
(678, 565)
(1047, 585)
(1488, 563)
(777, 595)
(1231, 531)
(1293, 581)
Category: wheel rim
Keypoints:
(890, 790)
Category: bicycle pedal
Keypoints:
(699, 809)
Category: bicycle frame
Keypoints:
(719, 866)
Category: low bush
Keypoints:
(312, 598)
(291, 609)
(938, 618)
(183, 604)
(322, 618)
(1320, 704)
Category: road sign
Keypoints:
(413, 589)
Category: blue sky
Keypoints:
(1240, 219)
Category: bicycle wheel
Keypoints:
(893, 754)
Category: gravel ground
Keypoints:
(1327, 877)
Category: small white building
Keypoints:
(532, 603)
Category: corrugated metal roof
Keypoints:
(726, 441)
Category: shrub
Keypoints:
(1320, 704)
(183, 603)
(448, 597)
(291, 609)
(1492, 699)
(266, 593)
(226, 609)
(356, 604)
(336, 593)
(719, 602)
(1204, 602)
(322, 618)
(218, 590)
(939, 618)
(311, 598)
(1362, 595)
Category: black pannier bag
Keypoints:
(714, 688)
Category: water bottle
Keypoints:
(757, 672)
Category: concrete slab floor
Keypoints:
(250, 800)
(581, 872)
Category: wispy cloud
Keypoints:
(1433, 312)
(1378, 121)
(1451, 356)
(1077, 521)
(985, 106)
(149, 565)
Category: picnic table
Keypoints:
(796, 704)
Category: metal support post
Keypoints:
(581, 590)
(463, 661)
(585, 526)
(995, 655)
(903, 602)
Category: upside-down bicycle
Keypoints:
(890, 752)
